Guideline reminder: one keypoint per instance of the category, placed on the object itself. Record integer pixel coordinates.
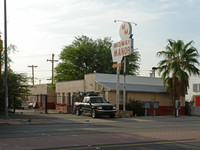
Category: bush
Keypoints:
(136, 107)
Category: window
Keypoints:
(98, 100)
(63, 98)
(86, 100)
(196, 87)
(69, 98)
(58, 98)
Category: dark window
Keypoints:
(98, 100)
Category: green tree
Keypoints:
(17, 85)
(132, 64)
(178, 64)
(17, 89)
(86, 55)
(11, 49)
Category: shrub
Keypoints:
(136, 107)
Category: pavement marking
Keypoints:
(134, 144)
(168, 130)
(143, 120)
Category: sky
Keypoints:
(40, 28)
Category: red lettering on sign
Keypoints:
(117, 65)
(126, 31)
(126, 42)
(123, 43)
(115, 53)
(129, 50)
(123, 26)
(119, 52)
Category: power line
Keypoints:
(25, 56)
(29, 71)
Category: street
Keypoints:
(164, 145)
(67, 131)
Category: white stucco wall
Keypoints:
(192, 80)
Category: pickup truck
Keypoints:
(95, 105)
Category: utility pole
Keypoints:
(52, 61)
(32, 66)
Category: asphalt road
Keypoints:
(63, 131)
(161, 145)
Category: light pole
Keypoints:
(1, 49)
(6, 66)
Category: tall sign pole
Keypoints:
(117, 88)
(6, 66)
(119, 51)
(124, 90)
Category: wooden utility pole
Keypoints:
(32, 66)
(52, 61)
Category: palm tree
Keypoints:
(178, 65)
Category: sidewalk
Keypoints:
(37, 116)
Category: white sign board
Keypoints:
(125, 46)
(121, 49)
(125, 30)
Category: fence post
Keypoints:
(45, 104)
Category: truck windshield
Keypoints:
(98, 100)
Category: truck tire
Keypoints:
(94, 114)
(78, 112)
(112, 116)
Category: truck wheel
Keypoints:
(112, 116)
(94, 114)
(78, 111)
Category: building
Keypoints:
(194, 88)
(39, 93)
(193, 95)
(137, 88)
